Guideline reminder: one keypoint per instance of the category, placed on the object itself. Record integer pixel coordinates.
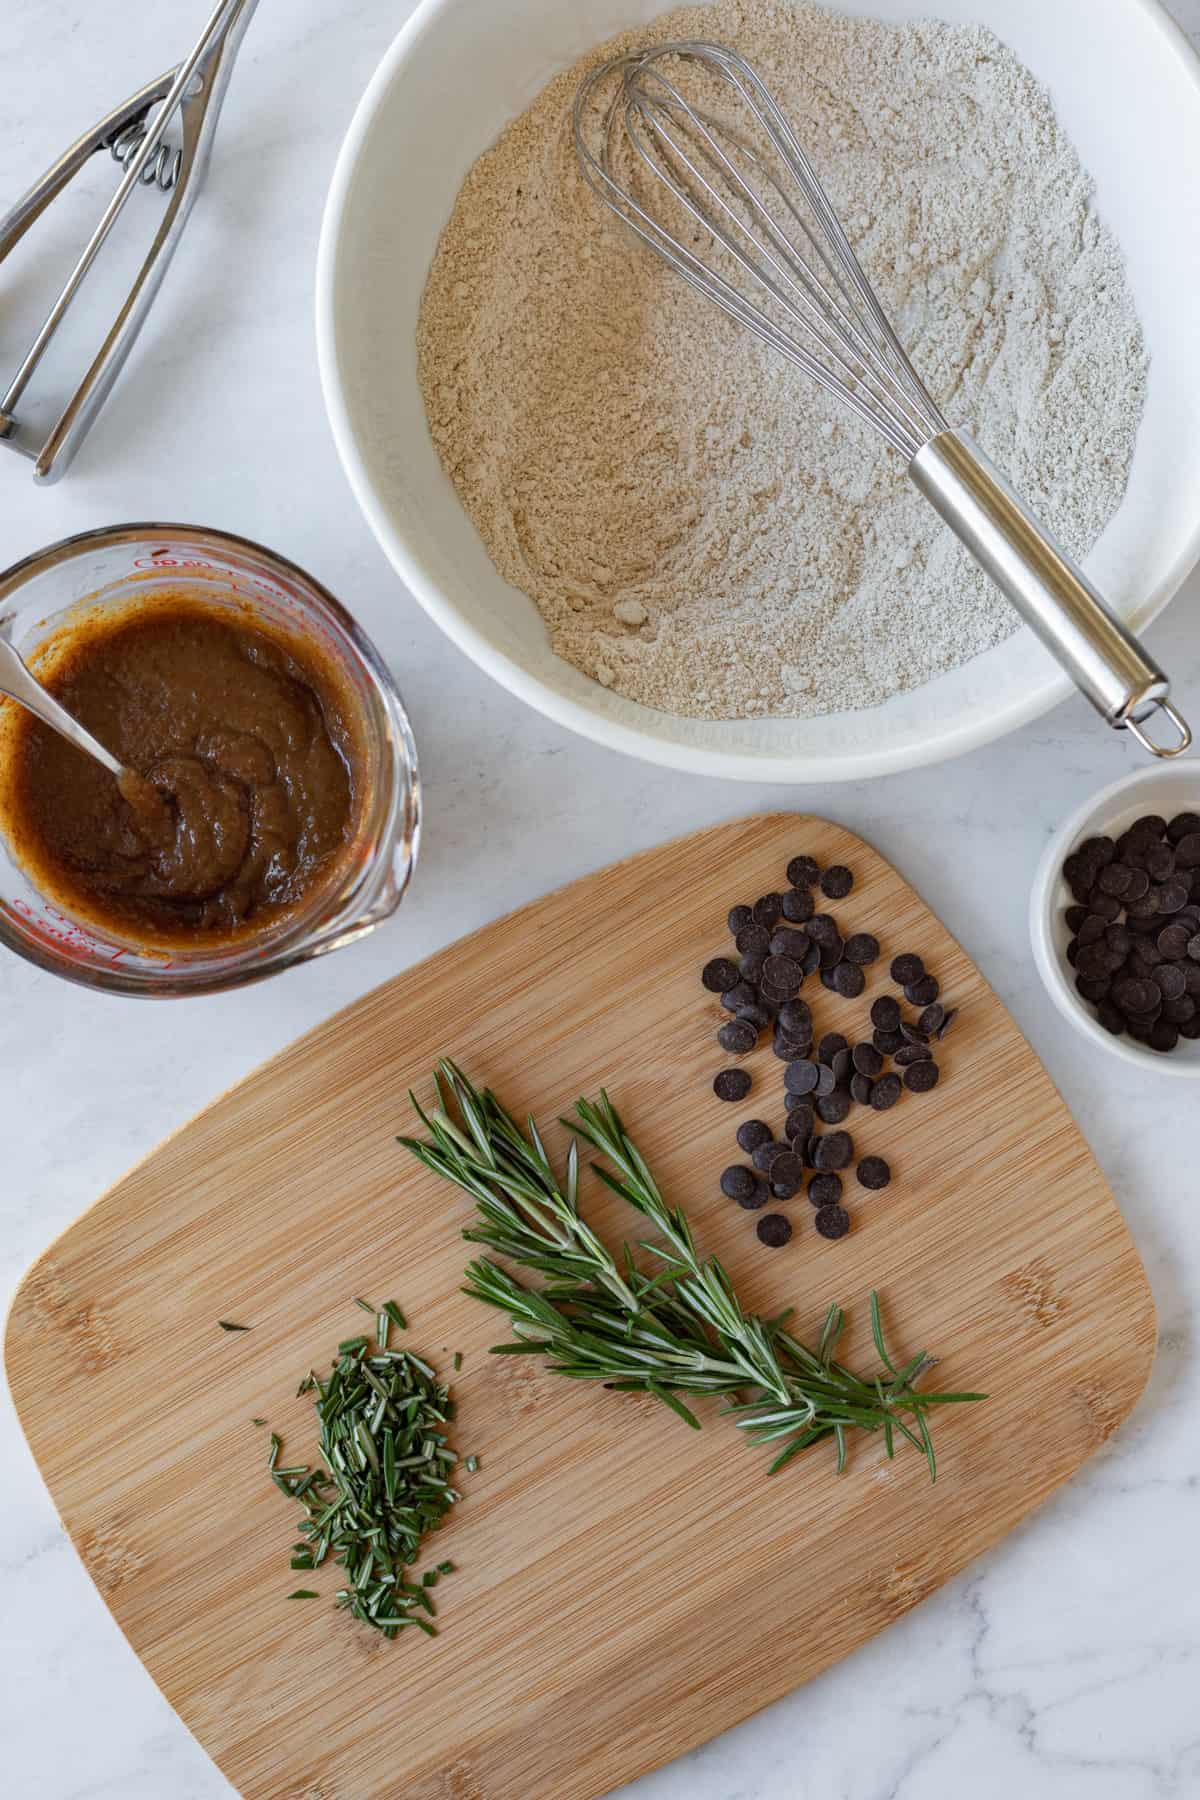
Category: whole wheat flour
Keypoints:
(702, 529)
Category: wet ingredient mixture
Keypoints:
(252, 751)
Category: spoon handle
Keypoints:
(20, 685)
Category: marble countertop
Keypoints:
(1065, 1664)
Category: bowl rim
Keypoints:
(589, 721)
(1043, 903)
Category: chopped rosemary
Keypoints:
(304, 1594)
(457, 1360)
(382, 1482)
(228, 1325)
(679, 1331)
(258, 1421)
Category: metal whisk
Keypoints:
(735, 206)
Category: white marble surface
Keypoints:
(1065, 1664)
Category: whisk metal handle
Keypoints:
(1048, 589)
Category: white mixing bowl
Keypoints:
(1127, 87)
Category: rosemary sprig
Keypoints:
(681, 1330)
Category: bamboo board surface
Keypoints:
(608, 1559)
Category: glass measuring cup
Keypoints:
(71, 581)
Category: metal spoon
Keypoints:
(19, 684)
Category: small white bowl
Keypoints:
(1170, 789)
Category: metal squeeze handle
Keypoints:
(1051, 592)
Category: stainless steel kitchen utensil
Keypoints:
(195, 89)
(745, 181)
(19, 684)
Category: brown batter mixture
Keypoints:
(253, 764)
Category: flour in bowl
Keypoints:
(701, 528)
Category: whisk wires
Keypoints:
(770, 250)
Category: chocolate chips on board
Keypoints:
(785, 938)
(1135, 925)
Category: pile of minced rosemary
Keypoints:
(382, 1414)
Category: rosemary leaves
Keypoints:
(680, 1331)
(386, 1479)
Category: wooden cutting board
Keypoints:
(626, 1588)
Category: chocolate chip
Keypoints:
(1163, 1035)
(832, 1221)
(867, 1059)
(802, 871)
(834, 1150)
(774, 1230)
(1138, 886)
(886, 1042)
(731, 1084)
(1134, 994)
(737, 1181)
(837, 881)
(912, 1034)
(1160, 862)
(861, 948)
(873, 1172)
(783, 973)
(719, 975)
(1172, 895)
(812, 958)
(1103, 905)
(905, 970)
(1145, 907)
(885, 1013)
(831, 952)
(825, 1190)
(1184, 824)
(767, 909)
(787, 942)
(830, 1044)
(886, 1090)
(801, 1077)
(1193, 948)
(797, 905)
(911, 1053)
(751, 1133)
(796, 1018)
(752, 1201)
(923, 992)
(786, 1175)
(758, 1015)
(833, 1108)
(1092, 930)
(742, 993)
(1111, 1017)
(1115, 879)
(1092, 988)
(842, 1065)
(753, 939)
(921, 1076)
(1180, 1011)
(826, 1079)
(737, 1038)
(751, 964)
(1173, 941)
(932, 1019)
(763, 1155)
(1170, 981)
(786, 1050)
(739, 918)
(849, 980)
(861, 1087)
(1074, 916)
(801, 1119)
(822, 928)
